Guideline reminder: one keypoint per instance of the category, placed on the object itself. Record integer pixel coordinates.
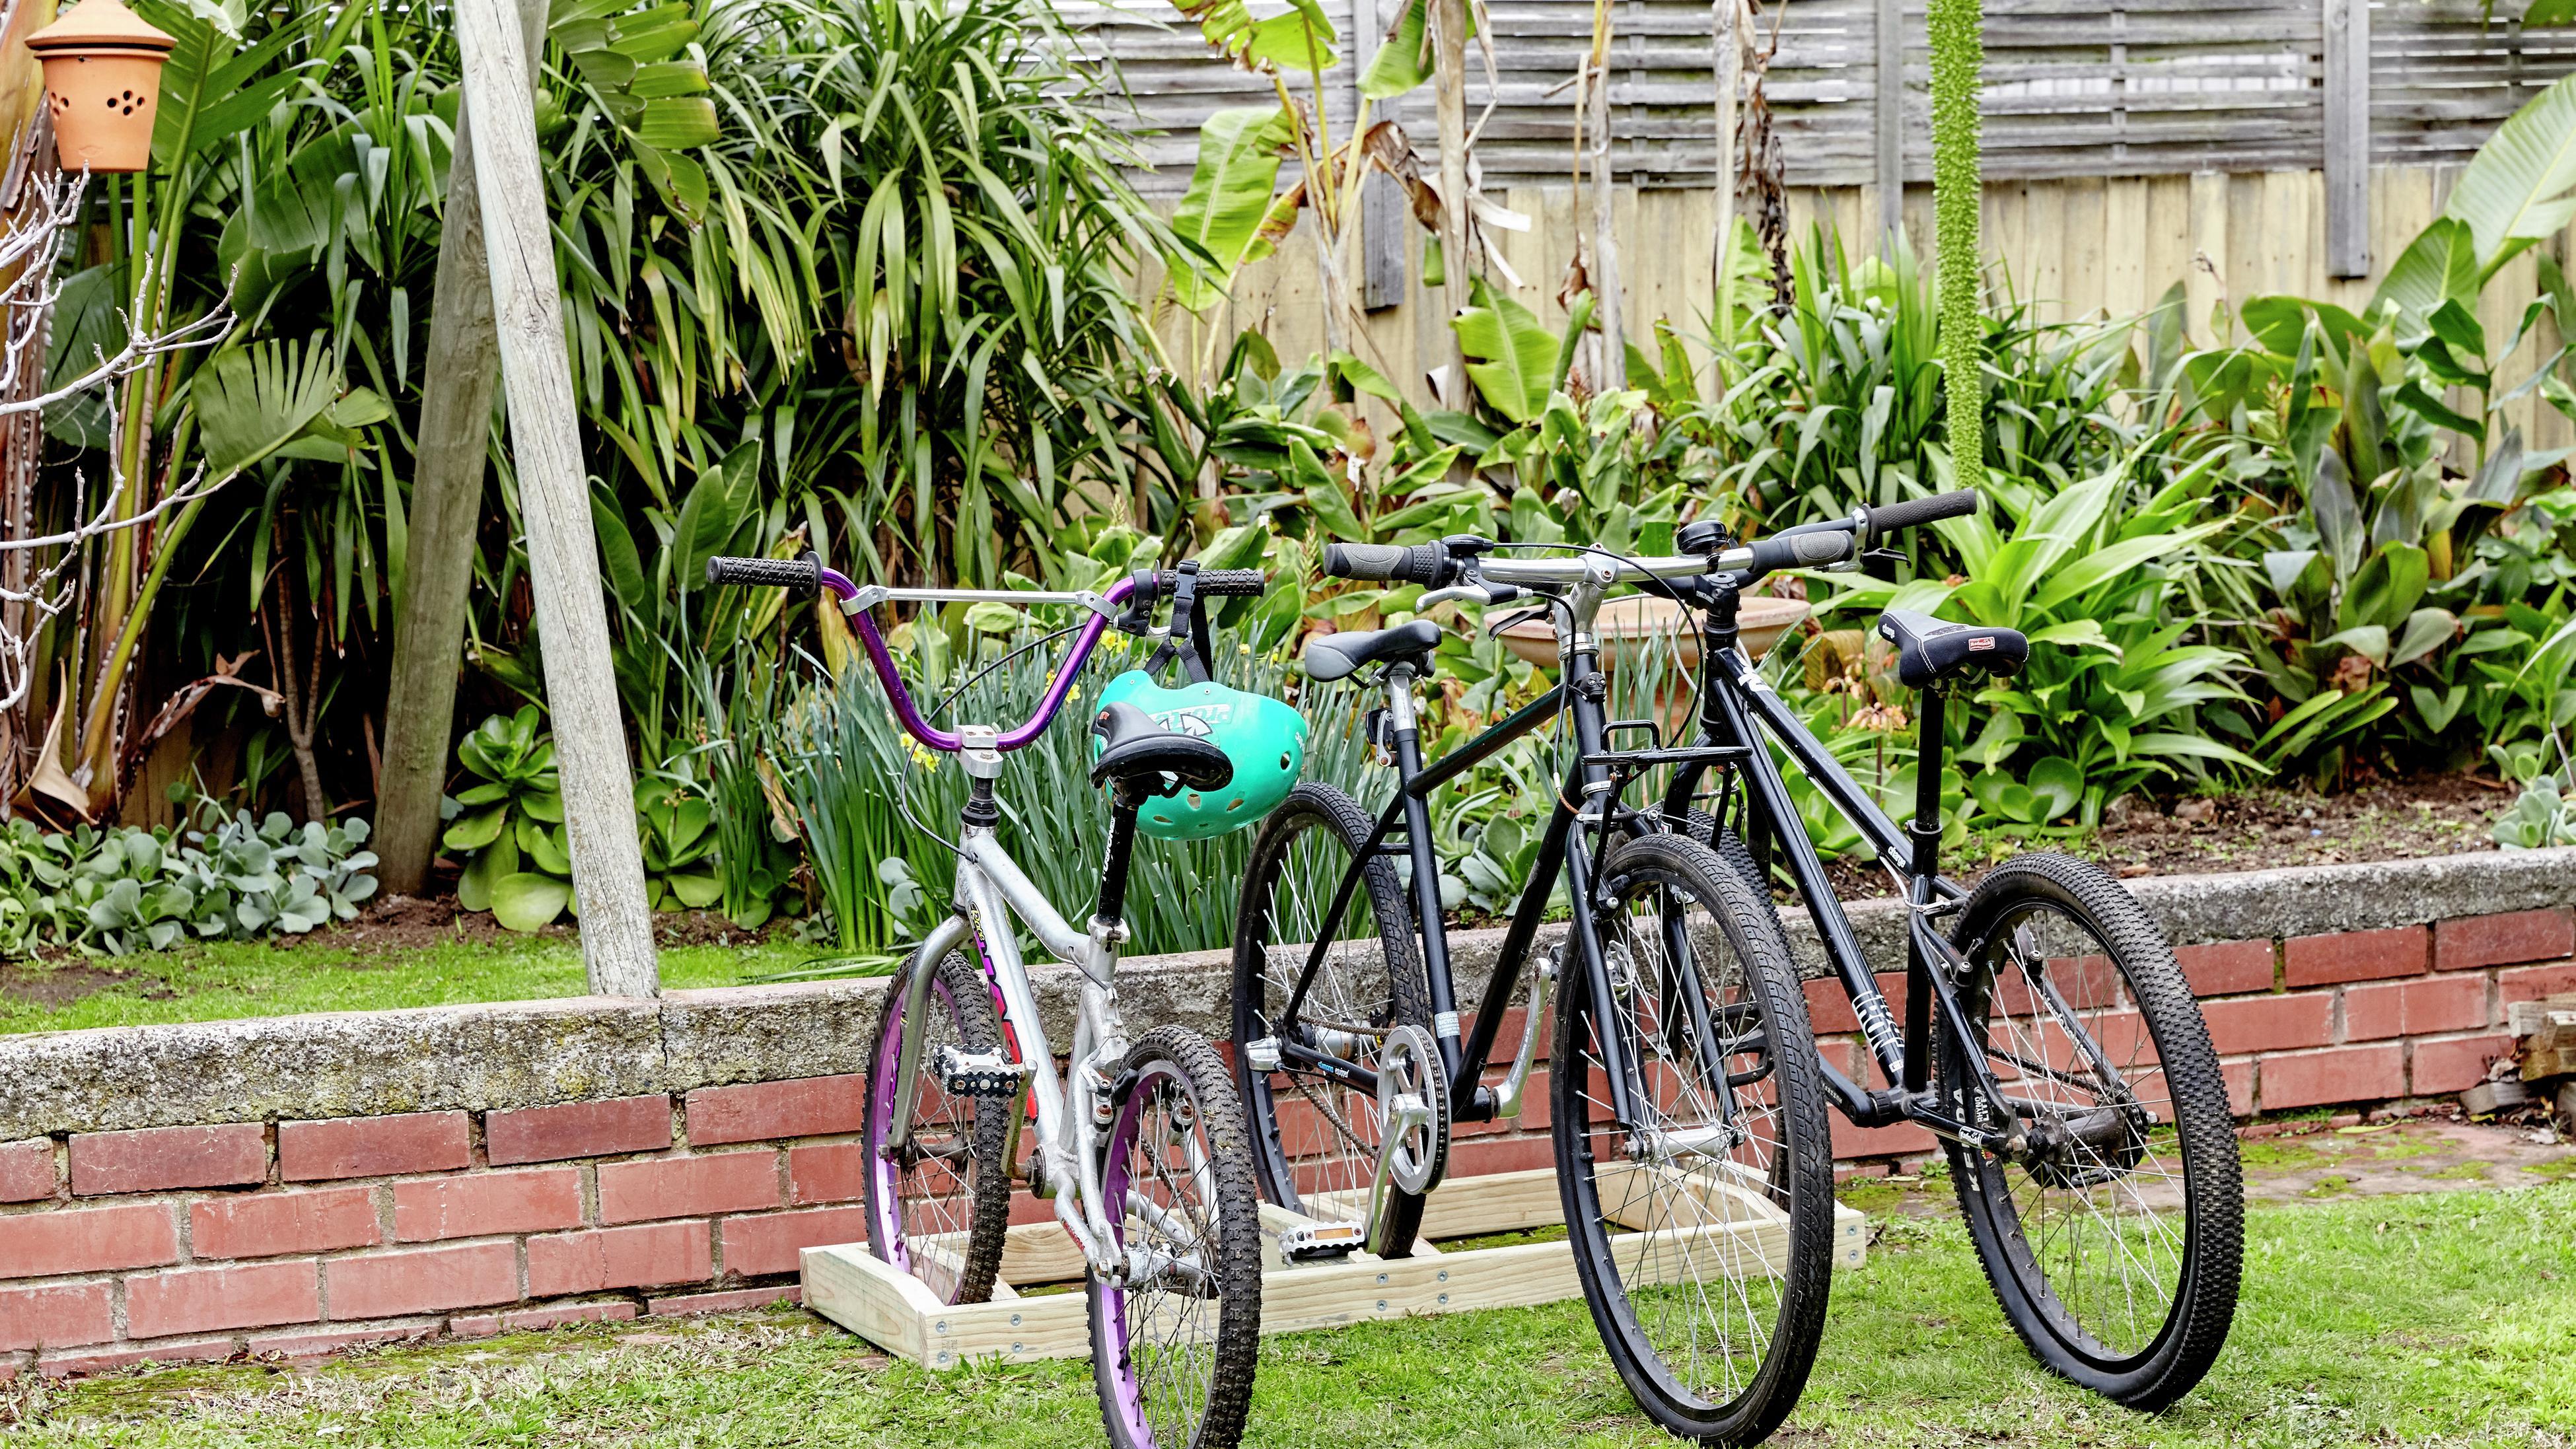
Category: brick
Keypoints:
(27, 1170)
(2376, 1010)
(95, 1240)
(371, 1146)
(108, 1360)
(732, 1302)
(2337, 1074)
(2530, 983)
(62, 1316)
(688, 1187)
(2228, 968)
(422, 1280)
(2465, 943)
(2270, 1023)
(638, 1257)
(316, 1344)
(487, 1204)
(474, 1325)
(157, 1159)
(209, 1300)
(771, 1242)
(1477, 1158)
(578, 1129)
(2354, 956)
(2455, 1064)
(1893, 1140)
(1829, 1008)
(530, 1320)
(2240, 1087)
(827, 1172)
(274, 1223)
(762, 1111)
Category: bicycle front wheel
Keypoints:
(1175, 1340)
(1702, 1226)
(939, 1193)
(2111, 1222)
(1315, 1137)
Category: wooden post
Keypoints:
(1610, 298)
(1449, 79)
(563, 554)
(1384, 222)
(446, 503)
(1727, 30)
(2347, 33)
(1888, 118)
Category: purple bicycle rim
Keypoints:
(938, 739)
(1113, 1300)
(882, 1090)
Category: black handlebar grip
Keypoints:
(1243, 583)
(1426, 564)
(802, 575)
(1914, 512)
(1801, 550)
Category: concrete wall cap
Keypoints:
(535, 1053)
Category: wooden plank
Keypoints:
(2347, 158)
(554, 500)
(1888, 117)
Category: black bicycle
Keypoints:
(2050, 1041)
(1684, 1093)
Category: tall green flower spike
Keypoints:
(1958, 55)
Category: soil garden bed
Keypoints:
(2256, 829)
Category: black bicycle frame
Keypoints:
(1587, 786)
(1738, 708)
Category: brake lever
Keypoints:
(1521, 617)
(1483, 593)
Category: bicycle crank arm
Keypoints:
(1406, 1114)
(1507, 1093)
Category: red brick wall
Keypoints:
(298, 1238)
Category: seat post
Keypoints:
(1925, 832)
(1112, 907)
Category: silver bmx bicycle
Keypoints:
(1142, 1147)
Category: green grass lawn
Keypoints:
(2437, 1319)
(237, 979)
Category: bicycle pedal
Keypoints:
(1308, 1242)
(979, 1074)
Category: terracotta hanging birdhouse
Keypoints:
(103, 81)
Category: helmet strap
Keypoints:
(1188, 640)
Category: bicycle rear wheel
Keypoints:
(1712, 1302)
(1174, 1343)
(2112, 1233)
(1315, 1139)
(939, 1204)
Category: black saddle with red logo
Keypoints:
(1929, 650)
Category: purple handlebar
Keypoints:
(939, 739)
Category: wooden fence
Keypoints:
(2077, 247)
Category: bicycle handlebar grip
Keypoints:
(801, 575)
(1914, 512)
(1801, 550)
(1243, 583)
(1426, 564)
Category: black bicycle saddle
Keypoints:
(1929, 649)
(1135, 750)
(1334, 656)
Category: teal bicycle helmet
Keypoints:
(1263, 737)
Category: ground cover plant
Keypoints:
(2435, 1319)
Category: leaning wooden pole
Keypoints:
(563, 555)
(1457, 263)
(446, 505)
